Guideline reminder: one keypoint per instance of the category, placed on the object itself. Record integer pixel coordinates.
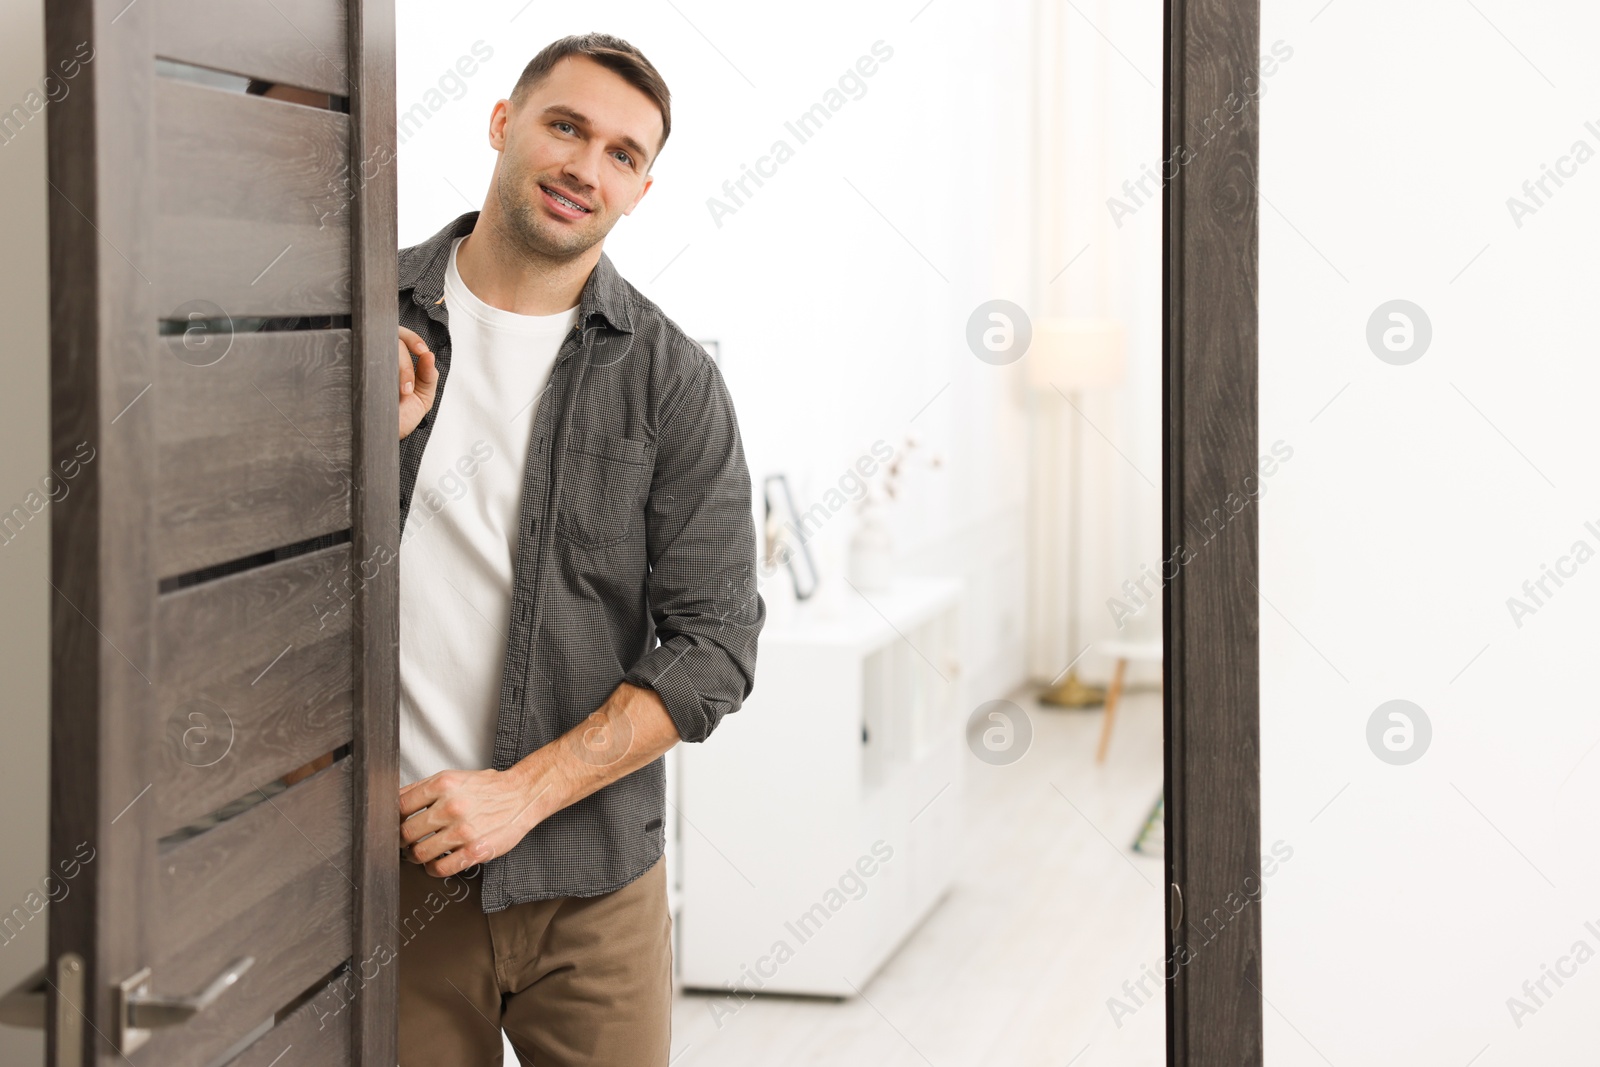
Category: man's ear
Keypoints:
(498, 117)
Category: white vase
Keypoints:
(872, 552)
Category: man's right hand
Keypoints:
(417, 386)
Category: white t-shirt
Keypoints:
(461, 532)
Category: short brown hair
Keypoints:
(613, 53)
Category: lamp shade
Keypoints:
(1069, 354)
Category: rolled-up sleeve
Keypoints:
(700, 538)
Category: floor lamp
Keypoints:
(1068, 357)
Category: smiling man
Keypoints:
(576, 491)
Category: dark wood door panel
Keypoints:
(254, 443)
(254, 679)
(253, 204)
(210, 880)
(273, 884)
(183, 569)
(316, 1034)
(303, 938)
(296, 42)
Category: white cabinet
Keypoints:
(818, 823)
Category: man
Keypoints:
(577, 492)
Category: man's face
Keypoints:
(573, 157)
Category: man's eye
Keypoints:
(623, 157)
(565, 126)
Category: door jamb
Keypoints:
(1212, 692)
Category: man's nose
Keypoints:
(584, 167)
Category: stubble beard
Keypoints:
(536, 234)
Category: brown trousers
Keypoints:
(574, 981)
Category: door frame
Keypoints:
(1210, 295)
(375, 529)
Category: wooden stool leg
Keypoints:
(1113, 694)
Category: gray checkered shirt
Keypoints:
(635, 525)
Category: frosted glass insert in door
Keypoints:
(1430, 559)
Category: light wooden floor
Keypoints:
(1046, 921)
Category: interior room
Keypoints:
(866, 275)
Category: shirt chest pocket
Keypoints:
(603, 487)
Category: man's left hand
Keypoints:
(455, 819)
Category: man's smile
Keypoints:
(564, 204)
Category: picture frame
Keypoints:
(784, 540)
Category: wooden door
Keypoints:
(222, 255)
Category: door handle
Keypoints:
(24, 1005)
(139, 1010)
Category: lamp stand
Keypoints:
(1070, 692)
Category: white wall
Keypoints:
(24, 559)
(835, 329)
(1421, 897)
